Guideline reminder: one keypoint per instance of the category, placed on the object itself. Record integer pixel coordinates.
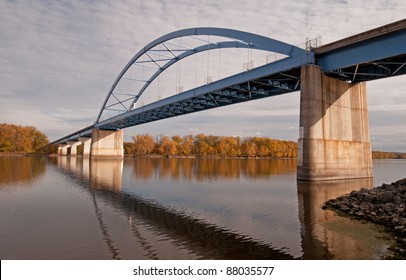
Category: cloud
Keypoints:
(60, 58)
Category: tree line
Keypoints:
(388, 155)
(21, 139)
(203, 145)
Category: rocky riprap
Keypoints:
(384, 205)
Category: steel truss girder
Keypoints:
(376, 57)
(235, 89)
(375, 49)
(384, 68)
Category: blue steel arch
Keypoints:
(242, 40)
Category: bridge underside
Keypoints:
(187, 102)
(383, 68)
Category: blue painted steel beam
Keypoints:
(372, 70)
(85, 132)
(377, 48)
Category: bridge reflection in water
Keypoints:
(317, 233)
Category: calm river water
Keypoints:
(156, 208)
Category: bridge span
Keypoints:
(334, 141)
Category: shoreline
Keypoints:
(382, 205)
(204, 157)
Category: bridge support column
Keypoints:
(64, 149)
(74, 147)
(334, 141)
(107, 143)
(86, 145)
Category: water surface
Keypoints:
(158, 208)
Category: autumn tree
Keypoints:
(187, 145)
(262, 145)
(128, 148)
(143, 144)
(387, 155)
(21, 139)
(249, 148)
(230, 147)
(166, 146)
(211, 145)
(200, 146)
(184, 144)
(178, 140)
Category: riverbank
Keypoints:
(384, 205)
(12, 154)
(23, 155)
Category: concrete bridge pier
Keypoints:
(334, 141)
(86, 145)
(74, 147)
(107, 143)
(63, 149)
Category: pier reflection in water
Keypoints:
(221, 209)
(326, 235)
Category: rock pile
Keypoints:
(385, 205)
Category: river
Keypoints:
(179, 208)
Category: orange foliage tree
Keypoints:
(203, 145)
(143, 144)
(21, 139)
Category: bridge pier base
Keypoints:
(74, 147)
(334, 141)
(63, 149)
(107, 143)
(86, 145)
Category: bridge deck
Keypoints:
(367, 35)
(374, 54)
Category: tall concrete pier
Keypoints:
(74, 147)
(86, 145)
(334, 140)
(107, 143)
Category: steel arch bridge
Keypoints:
(361, 57)
(162, 53)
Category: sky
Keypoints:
(60, 58)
